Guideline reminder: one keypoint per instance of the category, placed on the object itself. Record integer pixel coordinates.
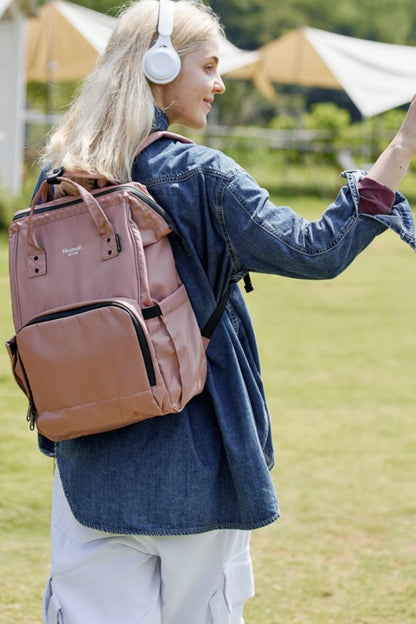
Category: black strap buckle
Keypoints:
(248, 286)
(56, 173)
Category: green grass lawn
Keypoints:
(339, 366)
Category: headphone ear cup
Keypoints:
(161, 64)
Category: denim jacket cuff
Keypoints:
(399, 221)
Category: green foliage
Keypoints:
(284, 122)
(5, 209)
(363, 140)
(251, 23)
(241, 104)
(50, 97)
(11, 204)
(327, 116)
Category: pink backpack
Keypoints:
(105, 333)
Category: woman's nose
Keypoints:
(219, 86)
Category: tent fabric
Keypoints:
(289, 59)
(232, 58)
(376, 76)
(26, 7)
(65, 40)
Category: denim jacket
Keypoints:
(208, 467)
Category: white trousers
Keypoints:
(103, 578)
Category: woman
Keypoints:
(151, 523)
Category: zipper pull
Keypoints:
(31, 414)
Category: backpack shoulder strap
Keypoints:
(215, 317)
(154, 136)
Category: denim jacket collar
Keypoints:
(160, 120)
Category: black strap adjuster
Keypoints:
(56, 173)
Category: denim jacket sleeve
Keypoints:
(267, 238)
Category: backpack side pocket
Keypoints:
(17, 367)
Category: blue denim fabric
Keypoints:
(208, 467)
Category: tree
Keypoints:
(252, 23)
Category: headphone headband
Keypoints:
(161, 63)
(165, 21)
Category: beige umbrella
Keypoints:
(377, 76)
(64, 41)
(290, 59)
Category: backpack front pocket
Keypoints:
(89, 368)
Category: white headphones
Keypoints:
(161, 63)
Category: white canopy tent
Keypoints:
(232, 58)
(376, 76)
(64, 41)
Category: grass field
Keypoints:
(339, 366)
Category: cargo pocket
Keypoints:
(227, 604)
(52, 612)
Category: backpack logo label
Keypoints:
(72, 251)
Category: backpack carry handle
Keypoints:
(36, 255)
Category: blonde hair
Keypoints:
(113, 113)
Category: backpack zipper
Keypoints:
(71, 202)
(31, 409)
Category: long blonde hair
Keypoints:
(113, 114)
